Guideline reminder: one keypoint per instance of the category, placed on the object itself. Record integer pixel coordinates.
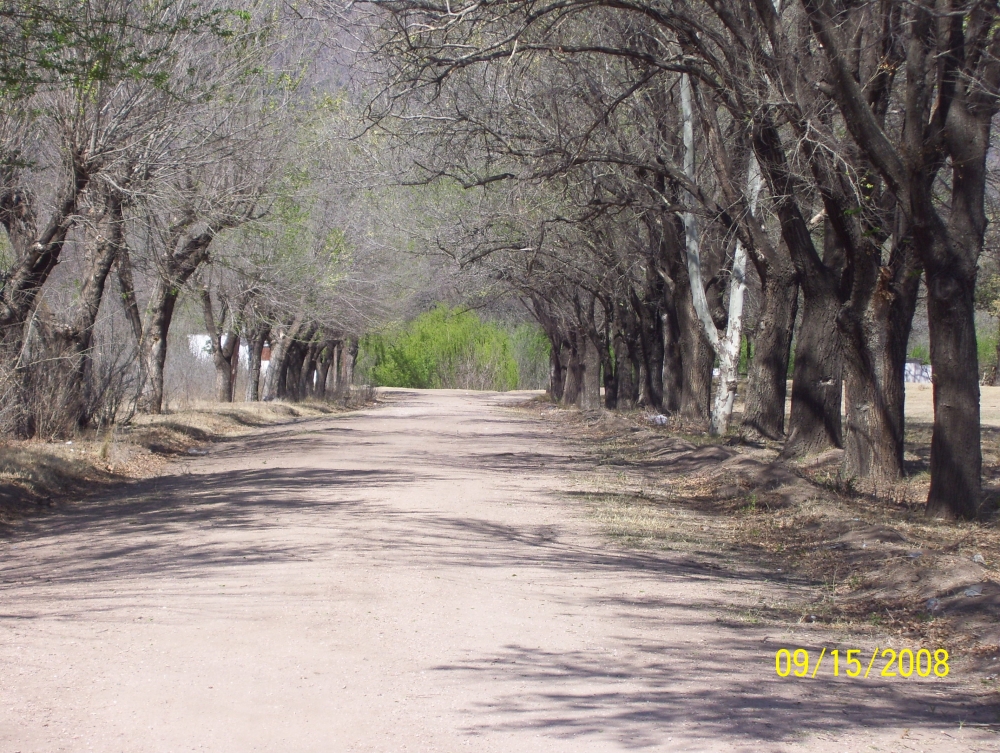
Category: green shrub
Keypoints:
(441, 349)
(986, 347)
(920, 353)
(746, 353)
(531, 350)
(986, 351)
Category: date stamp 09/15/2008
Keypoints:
(904, 663)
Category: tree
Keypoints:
(946, 106)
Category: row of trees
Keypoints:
(652, 174)
(660, 181)
(155, 150)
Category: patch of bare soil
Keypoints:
(869, 560)
(37, 475)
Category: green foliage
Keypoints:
(920, 353)
(43, 42)
(441, 349)
(746, 353)
(531, 351)
(986, 350)
(988, 294)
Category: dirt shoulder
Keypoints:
(37, 475)
(865, 563)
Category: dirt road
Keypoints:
(416, 577)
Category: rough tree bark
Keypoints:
(307, 376)
(726, 345)
(815, 422)
(36, 252)
(255, 346)
(225, 346)
(557, 370)
(875, 340)
(574, 368)
(651, 353)
(767, 372)
(815, 418)
(323, 363)
(950, 95)
(282, 338)
(68, 346)
(558, 346)
(625, 357)
(607, 359)
(186, 250)
(590, 375)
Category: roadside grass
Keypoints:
(857, 560)
(35, 475)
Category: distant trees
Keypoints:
(318, 271)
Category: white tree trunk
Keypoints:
(727, 345)
(728, 349)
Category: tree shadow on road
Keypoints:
(717, 684)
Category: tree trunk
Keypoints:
(350, 358)
(875, 339)
(307, 377)
(956, 455)
(725, 344)
(76, 340)
(223, 378)
(557, 370)
(323, 370)
(184, 255)
(650, 347)
(574, 371)
(290, 385)
(36, 252)
(610, 378)
(696, 356)
(767, 374)
(256, 348)
(274, 386)
(948, 104)
(235, 366)
(815, 423)
(950, 265)
(225, 349)
(729, 347)
(590, 376)
(672, 368)
(625, 355)
(338, 362)
(153, 349)
(609, 367)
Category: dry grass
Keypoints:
(35, 475)
(860, 560)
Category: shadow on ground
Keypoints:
(719, 682)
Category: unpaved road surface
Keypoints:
(416, 577)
